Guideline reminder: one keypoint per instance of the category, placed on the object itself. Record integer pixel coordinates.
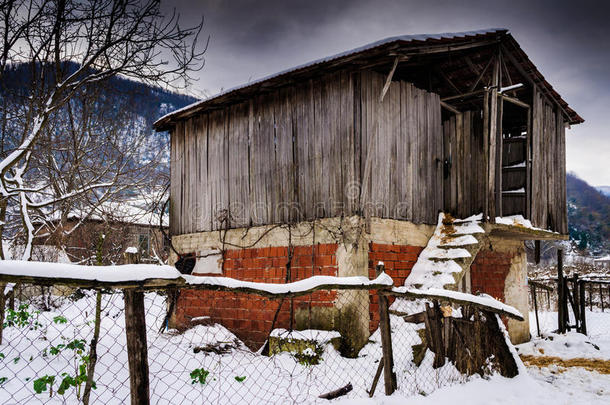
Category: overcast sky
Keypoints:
(569, 41)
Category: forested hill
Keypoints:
(588, 216)
(145, 103)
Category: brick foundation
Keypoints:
(488, 273)
(250, 316)
(398, 261)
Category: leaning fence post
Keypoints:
(389, 377)
(137, 348)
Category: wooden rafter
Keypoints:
(476, 82)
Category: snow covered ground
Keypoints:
(48, 344)
(553, 384)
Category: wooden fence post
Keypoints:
(583, 306)
(137, 348)
(535, 300)
(389, 376)
(2, 309)
(561, 294)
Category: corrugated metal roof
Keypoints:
(442, 38)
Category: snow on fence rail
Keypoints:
(150, 276)
(51, 350)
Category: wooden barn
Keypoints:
(332, 166)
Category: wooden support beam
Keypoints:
(449, 107)
(492, 134)
(528, 77)
(499, 141)
(464, 95)
(472, 66)
(506, 72)
(514, 101)
(448, 80)
(486, 154)
(476, 83)
(388, 80)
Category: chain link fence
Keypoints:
(213, 347)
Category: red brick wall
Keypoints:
(488, 273)
(398, 261)
(250, 316)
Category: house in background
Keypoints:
(366, 156)
(109, 229)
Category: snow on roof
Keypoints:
(42, 253)
(139, 210)
(401, 38)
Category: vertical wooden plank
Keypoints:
(174, 184)
(218, 176)
(419, 163)
(468, 167)
(486, 154)
(395, 176)
(498, 174)
(347, 144)
(411, 141)
(320, 178)
(493, 154)
(461, 163)
(403, 157)
(528, 165)
(355, 80)
(238, 168)
(438, 131)
(562, 179)
(335, 162)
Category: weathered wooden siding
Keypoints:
(403, 138)
(464, 148)
(299, 153)
(548, 170)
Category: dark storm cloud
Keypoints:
(568, 41)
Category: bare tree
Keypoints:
(72, 48)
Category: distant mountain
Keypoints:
(144, 103)
(605, 190)
(588, 216)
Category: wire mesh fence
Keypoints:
(543, 307)
(596, 303)
(212, 347)
(593, 308)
